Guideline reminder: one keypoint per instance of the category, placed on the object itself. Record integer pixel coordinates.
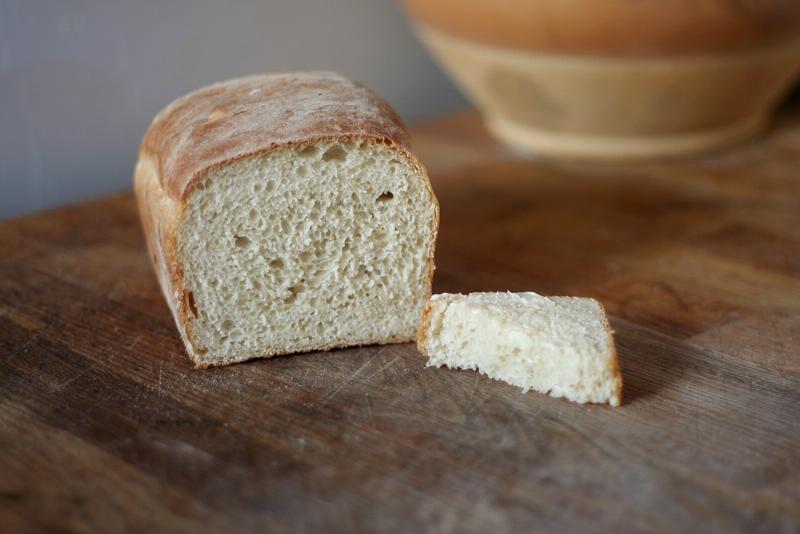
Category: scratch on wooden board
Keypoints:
(282, 432)
(24, 346)
(70, 380)
(401, 397)
(474, 388)
(160, 367)
(134, 342)
(349, 379)
(383, 367)
(591, 441)
(369, 407)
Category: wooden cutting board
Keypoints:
(105, 425)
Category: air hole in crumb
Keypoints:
(334, 153)
(305, 256)
(385, 196)
(293, 292)
(394, 161)
(308, 152)
(227, 325)
(253, 215)
(241, 241)
(258, 187)
(190, 303)
(256, 284)
(277, 263)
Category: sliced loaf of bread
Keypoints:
(286, 213)
(557, 345)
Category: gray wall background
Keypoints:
(81, 79)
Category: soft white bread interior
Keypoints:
(305, 248)
(557, 345)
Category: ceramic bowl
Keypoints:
(617, 79)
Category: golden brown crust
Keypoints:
(243, 118)
(160, 216)
(254, 115)
(424, 329)
(618, 27)
(617, 374)
(614, 358)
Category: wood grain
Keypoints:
(105, 425)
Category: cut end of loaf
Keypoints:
(307, 247)
(562, 346)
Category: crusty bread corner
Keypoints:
(425, 331)
(614, 358)
(424, 328)
(248, 118)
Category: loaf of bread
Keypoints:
(557, 345)
(286, 213)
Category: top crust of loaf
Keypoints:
(248, 116)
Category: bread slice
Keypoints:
(557, 345)
(286, 213)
